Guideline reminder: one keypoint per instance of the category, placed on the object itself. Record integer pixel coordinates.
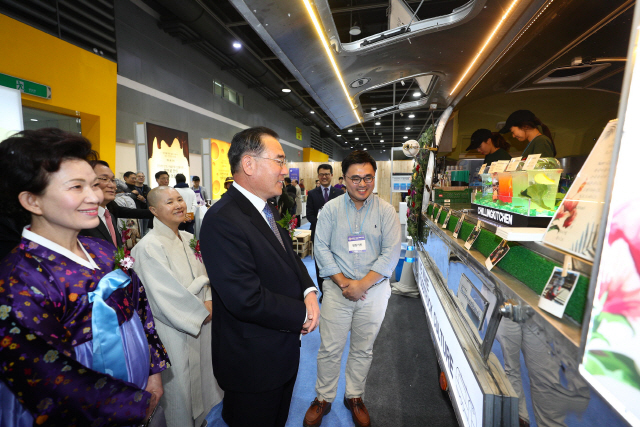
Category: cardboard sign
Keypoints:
(531, 162)
(513, 164)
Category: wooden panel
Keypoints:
(308, 172)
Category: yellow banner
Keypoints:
(220, 168)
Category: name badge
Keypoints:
(357, 244)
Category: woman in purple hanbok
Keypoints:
(78, 345)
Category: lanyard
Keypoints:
(346, 202)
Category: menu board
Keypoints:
(574, 227)
(611, 360)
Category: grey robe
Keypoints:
(177, 286)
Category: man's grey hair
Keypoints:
(249, 141)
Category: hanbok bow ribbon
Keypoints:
(108, 350)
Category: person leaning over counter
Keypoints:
(524, 125)
(491, 144)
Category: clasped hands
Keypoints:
(353, 290)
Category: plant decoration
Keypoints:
(123, 259)
(289, 223)
(414, 199)
(194, 244)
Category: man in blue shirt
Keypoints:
(357, 246)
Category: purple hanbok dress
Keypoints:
(46, 338)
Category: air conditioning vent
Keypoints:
(571, 74)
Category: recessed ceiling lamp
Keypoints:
(327, 126)
(312, 112)
(34, 120)
(350, 130)
(408, 128)
(416, 94)
(405, 137)
(357, 139)
(350, 147)
(286, 90)
(374, 108)
(355, 30)
(377, 123)
(411, 116)
(237, 45)
(484, 46)
(365, 148)
(338, 136)
(382, 140)
(334, 64)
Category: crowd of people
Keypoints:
(92, 334)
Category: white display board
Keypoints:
(10, 112)
(462, 381)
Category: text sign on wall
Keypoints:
(168, 150)
(294, 173)
(25, 86)
(468, 394)
(299, 134)
(400, 182)
(220, 167)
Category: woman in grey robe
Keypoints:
(180, 296)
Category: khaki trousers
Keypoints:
(337, 317)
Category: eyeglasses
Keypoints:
(281, 162)
(107, 180)
(356, 179)
(323, 175)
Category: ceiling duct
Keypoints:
(199, 28)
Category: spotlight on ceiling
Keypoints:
(416, 94)
(374, 108)
(326, 125)
(408, 128)
(350, 130)
(411, 116)
(237, 45)
(355, 30)
(350, 147)
(312, 112)
(382, 140)
(357, 139)
(377, 123)
(338, 136)
(286, 90)
(365, 148)
(405, 137)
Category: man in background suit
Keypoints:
(315, 202)
(263, 297)
(109, 211)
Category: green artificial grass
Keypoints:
(525, 265)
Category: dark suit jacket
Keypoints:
(258, 288)
(315, 202)
(117, 211)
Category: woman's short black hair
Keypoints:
(357, 157)
(27, 160)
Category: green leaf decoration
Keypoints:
(614, 318)
(426, 140)
(598, 335)
(536, 192)
(613, 365)
(554, 227)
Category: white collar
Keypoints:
(256, 201)
(327, 187)
(52, 246)
(101, 211)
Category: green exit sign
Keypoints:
(25, 86)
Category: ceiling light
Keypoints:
(411, 116)
(405, 137)
(350, 147)
(236, 45)
(374, 108)
(357, 139)
(286, 90)
(327, 126)
(355, 30)
(365, 148)
(34, 120)
(416, 94)
(382, 140)
(377, 123)
(312, 112)
(327, 48)
(407, 128)
(350, 130)
(493, 33)
(338, 136)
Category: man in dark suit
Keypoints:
(109, 211)
(263, 297)
(315, 202)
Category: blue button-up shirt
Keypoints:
(339, 219)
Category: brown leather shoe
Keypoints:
(359, 412)
(317, 410)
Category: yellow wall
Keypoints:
(312, 155)
(81, 82)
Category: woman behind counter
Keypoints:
(491, 144)
(180, 296)
(77, 348)
(525, 126)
